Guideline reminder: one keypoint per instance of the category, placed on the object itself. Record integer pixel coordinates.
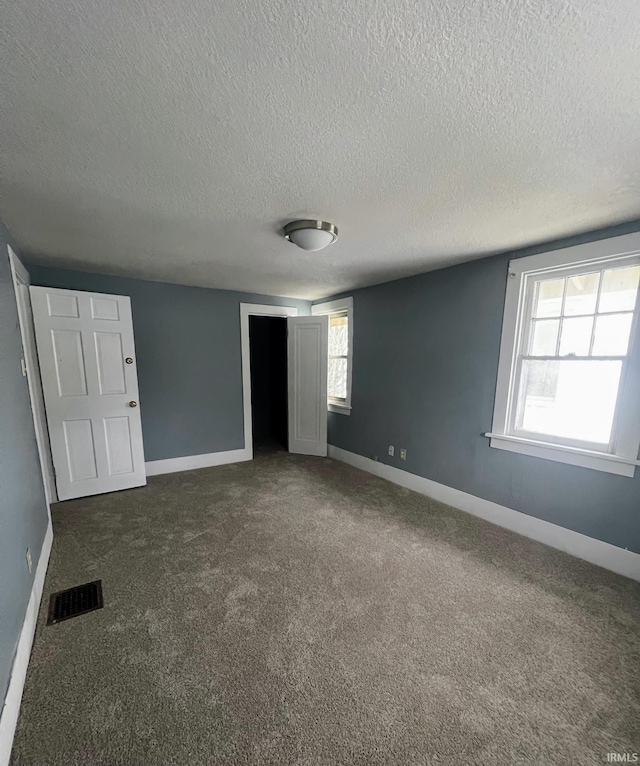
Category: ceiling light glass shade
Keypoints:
(311, 239)
(311, 235)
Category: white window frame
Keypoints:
(623, 457)
(340, 306)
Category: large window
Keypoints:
(340, 313)
(568, 385)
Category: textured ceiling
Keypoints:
(170, 139)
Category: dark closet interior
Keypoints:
(268, 349)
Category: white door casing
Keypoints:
(90, 390)
(21, 282)
(308, 342)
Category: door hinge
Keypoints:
(23, 366)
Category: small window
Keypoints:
(567, 361)
(340, 315)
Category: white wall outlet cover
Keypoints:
(391, 450)
(403, 454)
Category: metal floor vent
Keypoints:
(75, 601)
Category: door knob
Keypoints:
(133, 404)
(129, 360)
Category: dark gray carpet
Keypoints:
(295, 610)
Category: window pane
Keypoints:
(337, 382)
(575, 337)
(582, 292)
(619, 288)
(549, 298)
(338, 335)
(570, 399)
(612, 335)
(544, 336)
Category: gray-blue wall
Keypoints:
(424, 376)
(188, 358)
(23, 510)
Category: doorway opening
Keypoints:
(269, 402)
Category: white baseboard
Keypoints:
(619, 560)
(189, 462)
(13, 699)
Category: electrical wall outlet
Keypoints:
(374, 457)
(29, 562)
(391, 450)
(403, 454)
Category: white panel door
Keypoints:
(308, 348)
(90, 385)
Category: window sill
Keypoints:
(341, 409)
(599, 461)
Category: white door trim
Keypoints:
(27, 333)
(247, 310)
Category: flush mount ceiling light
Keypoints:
(311, 235)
